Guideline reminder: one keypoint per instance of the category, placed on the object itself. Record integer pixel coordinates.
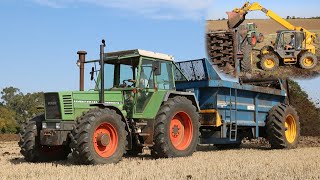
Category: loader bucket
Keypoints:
(235, 19)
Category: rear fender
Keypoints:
(189, 95)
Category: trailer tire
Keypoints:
(245, 63)
(30, 145)
(283, 127)
(99, 137)
(176, 131)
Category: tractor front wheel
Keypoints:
(176, 129)
(283, 127)
(99, 137)
(30, 145)
(260, 38)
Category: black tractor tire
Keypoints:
(308, 60)
(245, 63)
(260, 38)
(269, 62)
(167, 129)
(86, 146)
(30, 145)
(283, 127)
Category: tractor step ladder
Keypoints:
(231, 115)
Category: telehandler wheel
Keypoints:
(269, 62)
(30, 145)
(245, 63)
(308, 60)
(283, 127)
(266, 50)
(176, 131)
(99, 137)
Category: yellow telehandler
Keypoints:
(292, 46)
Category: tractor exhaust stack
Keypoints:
(102, 46)
(81, 61)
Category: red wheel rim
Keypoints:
(105, 140)
(181, 131)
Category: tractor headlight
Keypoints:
(58, 125)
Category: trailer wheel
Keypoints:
(30, 145)
(283, 127)
(269, 62)
(99, 137)
(308, 60)
(245, 63)
(176, 129)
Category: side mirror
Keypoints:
(156, 67)
(92, 73)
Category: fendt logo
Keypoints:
(52, 103)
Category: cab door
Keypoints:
(155, 78)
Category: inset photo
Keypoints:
(247, 43)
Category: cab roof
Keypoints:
(138, 52)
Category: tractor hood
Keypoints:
(70, 104)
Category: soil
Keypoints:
(9, 137)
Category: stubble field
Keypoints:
(254, 160)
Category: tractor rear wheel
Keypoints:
(308, 60)
(176, 131)
(30, 145)
(253, 39)
(269, 62)
(99, 137)
(245, 63)
(283, 127)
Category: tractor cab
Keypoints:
(138, 69)
(289, 43)
(140, 76)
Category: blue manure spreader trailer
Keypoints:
(231, 111)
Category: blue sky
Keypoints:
(40, 38)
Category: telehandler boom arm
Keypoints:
(237, 16)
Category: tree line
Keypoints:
(16, 108)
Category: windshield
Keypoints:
(120, 74)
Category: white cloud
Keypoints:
(158, 9)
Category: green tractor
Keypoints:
(253, 34)
(133, 106)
